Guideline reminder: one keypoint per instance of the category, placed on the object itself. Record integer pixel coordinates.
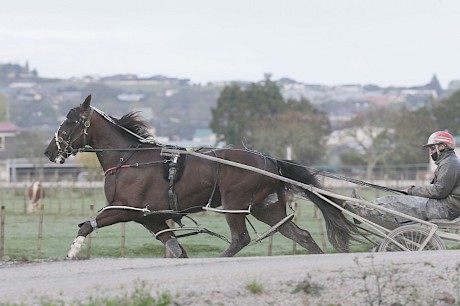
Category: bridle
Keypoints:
(65, 146)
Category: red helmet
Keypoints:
(441, 137)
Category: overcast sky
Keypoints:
(383, 42)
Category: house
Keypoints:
(204, 136)
(8, 132)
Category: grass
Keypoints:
(308, 287)
(65, 208)
(21, 238)
(255, 287)
(140, 296)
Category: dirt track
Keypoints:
(429, 278)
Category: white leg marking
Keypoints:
(75, 247)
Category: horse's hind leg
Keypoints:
(239, 232)
(275, 212)
(302, 237)
(105, 218)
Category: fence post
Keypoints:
(14, 198)
(123, 239)
(270, 245)
(321, 230)
(25, 196)
(82, 202)
(48, 193)
(59, 187)
(294, 207)
(40, 230)
(90, 236)
(2, 231)
(70, 197)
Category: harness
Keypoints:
(172, 173)
(173, 166)
(64, 146)
(172, 195)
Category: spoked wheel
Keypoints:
(411, 237)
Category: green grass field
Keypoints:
(65, 208)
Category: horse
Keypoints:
(36, 195)
(137, 188)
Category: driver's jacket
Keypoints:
(445, 187)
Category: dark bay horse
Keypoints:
(135, 183)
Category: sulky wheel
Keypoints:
(411, 237)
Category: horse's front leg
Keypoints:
(105, 218)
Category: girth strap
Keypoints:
(172, 195)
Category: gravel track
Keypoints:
(410, 278)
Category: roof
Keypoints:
(202, 133)
(8, 127)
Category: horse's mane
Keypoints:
(135, 123)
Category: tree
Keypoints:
(371, 135)
(229, 117)
(39, 113)
(305, 132)
(446, 114)
(3, 108)
(260, 117)
(29, 143)
(91, 163)
(300, 126)
(411, 131)
(388, 137)
(237, 108)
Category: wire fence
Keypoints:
(21, 228)
(50, 229)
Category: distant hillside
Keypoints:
(175, 107)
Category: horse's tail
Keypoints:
(339, 229)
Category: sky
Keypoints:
(330, 42)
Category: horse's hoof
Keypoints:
(173, 246)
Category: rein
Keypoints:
(351, 180)
(85, 120)
(358, 182)
(89, 149)
(113, 169)
(141, 139)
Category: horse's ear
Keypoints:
(87, 102)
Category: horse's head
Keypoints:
(71, 134)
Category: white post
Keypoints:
(288, 152)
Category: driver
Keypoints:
(439, 200)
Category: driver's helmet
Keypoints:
(441, 137)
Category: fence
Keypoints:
(48, 231)
(63, 201)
